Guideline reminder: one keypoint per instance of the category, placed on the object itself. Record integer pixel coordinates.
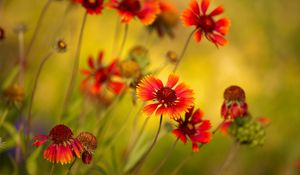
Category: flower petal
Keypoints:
(172, 80)
(180, 135)
(149, 109)
(217, 11)
(204, 6)
(198, 35)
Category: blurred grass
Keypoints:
(263, 57)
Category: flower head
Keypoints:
(14, 94)
(2, 34)
(100, 76)
(234, 104)
(170, 99)
(61, 46)
(194, 128)
(166, 20)
(145, 11)
(91, 6)
(89, 142)
(64, 147)
(196, 15)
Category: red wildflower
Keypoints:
(224, 127)
(166, 20)
(193, 127)
(205, 24)
(298, 164)
(168, 99)
(145, 11)
(89, 142)
(264, 121)
(234, 104)
(64, 147)
(91, 6)
(99, 76)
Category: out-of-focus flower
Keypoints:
(172, 56)
(298, 164)
(91, 6)
(100, 76)
(89, 142)
(64, 147)
(169, 99)
(14, 94)
(2, 34)
(61, 45)
(234, 104)
(205, 25)
(130, 69)
(145, 10)
(194, 128)
(166, 20)
(264, 120)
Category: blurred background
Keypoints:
(262, 56)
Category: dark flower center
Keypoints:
(1, 34)
(132, 6)
(207, 24)
(102, 75)
(166, 96)
(60, 134)
(234, 93)
(91, 4)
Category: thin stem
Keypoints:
(38, 26)
(21, 57)
(35, 82)
(231, 155)
(146, 154)
(218, 127)
(116, 34)
(70, 168)
(166, 157)
(75, 68)
(3, 116)
(123, 41)
(175, 171)
(183, 50)
(52, 169)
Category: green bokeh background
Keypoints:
(263, 57)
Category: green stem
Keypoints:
(75, 69)
(70, 168)
(123, 41)
(115, 38)
(231, 155)
(3, 116)
(184, 50)
(31, 99)
(52, 169)
(38, 26)
(140, 163)
(167, 156)
(21, 57)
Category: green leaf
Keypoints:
(31, 163)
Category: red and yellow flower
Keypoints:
(169, 99)
(194, 128)
(64, 147)
(145, 11)
(91, 6)
(100, 76)
(196, 15)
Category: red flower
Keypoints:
(205, 24)
(64, 147)
(166, 20)
(91, 6)
(298, 164)
(99, 76)
(194, 128)
(234, 104)
(145, 11)
(168, 99)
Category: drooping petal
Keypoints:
(148, 14)
(116, 87)
(100, 59)
(198, 35)
(180, 135)
(205, 125)
(195, 147)
(217, 39)
(91, 62)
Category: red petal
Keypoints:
(203, 137)
(195, 147)
(91, 62)
(263, 120)
(205, 125)
(116, 87)
(172, 80)
(204, 6)
(148, 14)
(180, 135)
(195, 7)
(198, 35)
(197, 116)
(85, 72)
(149, 109)
(224, 127)
(217, 39)
(217, 11)
(189, 18)
(100, 58)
